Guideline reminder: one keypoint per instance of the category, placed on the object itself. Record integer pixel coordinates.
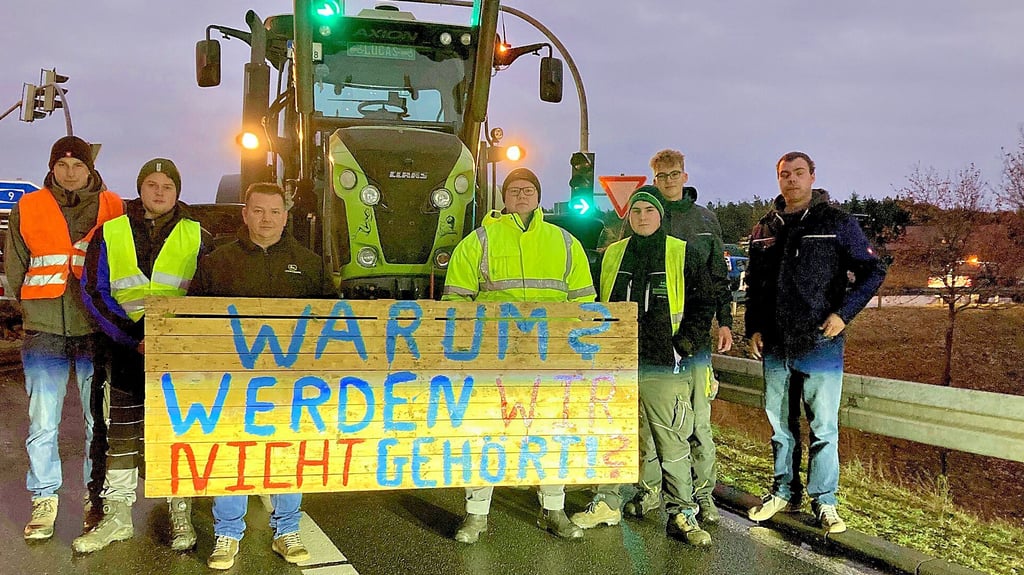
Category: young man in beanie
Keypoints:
(535, 256)
(151, 250)
(699, 228)
(50, 230)
(654, 270)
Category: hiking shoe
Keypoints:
(291, 548)
(708, 513)
(830, 520)
(597, 512)
(686, 525)
(116, 525)
(770, 505)
(556, 521)
(645, 501)
(44, 513)
(472, 526)
(183, 536)
(224, 551)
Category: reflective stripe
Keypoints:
(43, 261)
(568, 255)
(130, 306)
(577, 293)
(171, 280)
(459, 291)
(42, 280)
(485, 260)
(558, 285)
(82, 244)
(676, 318)
(137, 280)
(77, 260)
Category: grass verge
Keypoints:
(920, 517)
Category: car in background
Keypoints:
(736, 262)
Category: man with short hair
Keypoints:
(49, 232)
(263, 261)
(517, 256)
(799, 301)
(151, 250)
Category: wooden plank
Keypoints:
(170, 362)
(397, 383)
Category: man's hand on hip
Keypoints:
(833, 326)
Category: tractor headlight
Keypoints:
(370, 195)
(461, 183)
(441, 198)
(366, 257)
(347, 179)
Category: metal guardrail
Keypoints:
(965, 420)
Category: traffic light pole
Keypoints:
(9, 110)
(67, 111)
(584, 118)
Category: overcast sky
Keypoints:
(869, 89)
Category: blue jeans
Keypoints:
(817, 375)
(229, 514)
(47, 359)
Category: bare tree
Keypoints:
(1011, 192)
(950, 209)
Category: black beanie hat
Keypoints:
(71, 147)
(162, 165)
(649, 194)
(520, 174)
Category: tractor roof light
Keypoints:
(248, 140)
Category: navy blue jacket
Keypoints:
(798, 273)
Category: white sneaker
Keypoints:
(830, 520)
(770, 505)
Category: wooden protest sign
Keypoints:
(252, 395)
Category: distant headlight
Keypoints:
(465, 39)
(347, 179)
(446, 38)
(441, 198)
(367, 257)
(461, 184)
(370, 195)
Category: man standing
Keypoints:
(50, 230)
(799, 301)
(709, 282)
(262, 262)
(151, 250)
(516, 256)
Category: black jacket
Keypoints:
(798, 273)
(244, 269)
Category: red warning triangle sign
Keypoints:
(619, 188)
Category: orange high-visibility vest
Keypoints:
(51, 253)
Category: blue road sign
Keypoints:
(12, 190)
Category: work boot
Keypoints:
(183, 536)
(291, 548)
(686, 524)
(555, 521)
(92, 514)
(472, 526)
(829, 518)
(645, 501)
(770, 505)
(116, 525)
(224, 551)
(597, 512)
(708, 513)
(44, 513)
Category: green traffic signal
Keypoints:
(581, 198)
(328, 8)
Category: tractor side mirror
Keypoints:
(208, 63)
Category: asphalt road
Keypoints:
(375, 533)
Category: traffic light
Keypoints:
(328, 8)
(581, 198)
(49, 82)
(32, 103)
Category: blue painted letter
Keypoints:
(196, 413)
